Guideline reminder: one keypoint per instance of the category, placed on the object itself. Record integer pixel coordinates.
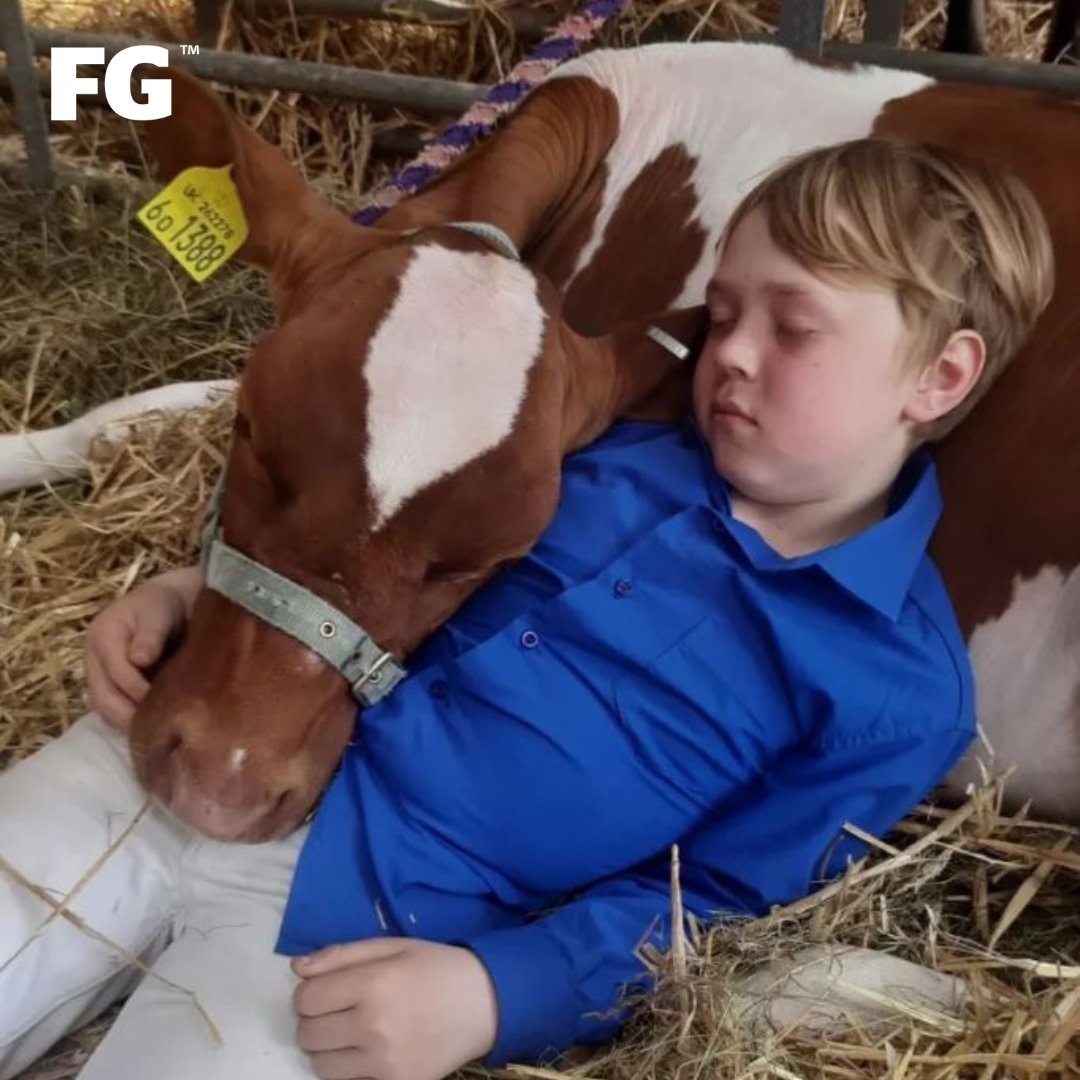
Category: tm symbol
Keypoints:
(189, 50)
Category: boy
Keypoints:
(551, 741)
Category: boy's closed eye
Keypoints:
(722, 310)
(794, 333)
(786, 330)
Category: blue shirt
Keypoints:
(652, 672)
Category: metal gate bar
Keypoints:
(802, 25)
(274, 73)
(884, 22)
(29, 108)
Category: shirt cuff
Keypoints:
(535, 989)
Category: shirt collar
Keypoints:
(877, 565)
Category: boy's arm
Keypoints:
(185, 581)
(551, 974)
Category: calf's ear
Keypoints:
(291, 229)
(631, 372)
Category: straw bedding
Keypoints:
(89, 311)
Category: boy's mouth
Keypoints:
(731, 410)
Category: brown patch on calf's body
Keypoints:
(527, 179)
(637, 268)
(1010, 471)
(541, 180)
(556, 253)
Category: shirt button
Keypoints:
(439, 690)
(529, 639)
(624, 587)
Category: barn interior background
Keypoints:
(91, 310)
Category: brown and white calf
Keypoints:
(399, 434)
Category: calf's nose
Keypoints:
(222, 791)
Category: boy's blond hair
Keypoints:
(963, 245)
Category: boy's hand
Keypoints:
(393, 1009)
(129, 637)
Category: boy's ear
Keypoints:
(949, 379)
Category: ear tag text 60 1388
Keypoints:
(198, 219)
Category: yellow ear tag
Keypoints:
(198, 219)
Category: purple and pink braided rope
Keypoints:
(483, 116)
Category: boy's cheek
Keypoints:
(702, 391)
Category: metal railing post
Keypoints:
(29, 107)
(802, 25)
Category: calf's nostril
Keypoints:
(280, 801)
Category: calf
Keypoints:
(398, 435)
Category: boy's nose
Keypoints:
(735, 354)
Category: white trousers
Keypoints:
(204, 914)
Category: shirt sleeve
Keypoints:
(558, 979)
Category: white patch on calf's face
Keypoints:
(237, 758)
(1027, 679)
(447, 369)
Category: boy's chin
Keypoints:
(742, 472)
(753, 476)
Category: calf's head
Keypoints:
(398, 437)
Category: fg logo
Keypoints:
(67, 85)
